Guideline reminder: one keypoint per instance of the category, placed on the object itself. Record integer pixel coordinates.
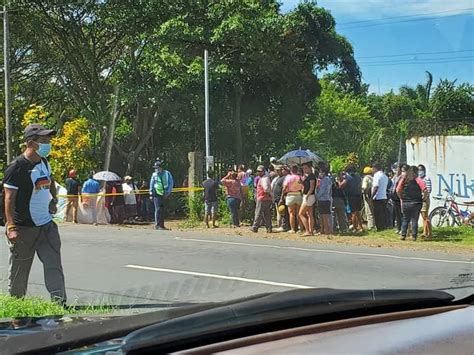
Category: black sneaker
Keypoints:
(253, 230)
(403, 237)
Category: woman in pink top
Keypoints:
(233, 195)
(292, 187)
(412, 191)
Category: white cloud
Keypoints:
(373, 9)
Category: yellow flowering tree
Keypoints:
(36, 114)
(71, 149)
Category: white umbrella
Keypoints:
(106, 176)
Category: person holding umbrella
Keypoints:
(161, 185)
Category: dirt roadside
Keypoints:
(388, 240)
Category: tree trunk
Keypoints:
(238, 124)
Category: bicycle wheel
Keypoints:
(440, 217)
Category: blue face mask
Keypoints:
(43, 149)
(421, 174)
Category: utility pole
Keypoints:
(111, 131)
(6, 73)
(206, 111)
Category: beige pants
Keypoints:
(45, 242)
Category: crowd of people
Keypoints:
(121, 201)
(313, 200)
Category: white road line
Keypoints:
(215, 276)
(328, 251)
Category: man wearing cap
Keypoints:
(30, 201)
(73, 188)
(129, 190)
(161, 185)
(264, 201)
(277, 191)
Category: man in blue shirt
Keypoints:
(91, 187)
(161, 185)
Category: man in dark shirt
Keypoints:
(73, 188)
(210, 199)
(30, 201)
(283, 219)
(353, 189)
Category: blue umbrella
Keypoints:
(300, 156)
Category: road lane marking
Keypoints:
(215, 276)
(329, 251)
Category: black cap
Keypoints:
(157, 163)
(36, 129)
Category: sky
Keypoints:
(396, 41)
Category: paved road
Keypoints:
(113, 265)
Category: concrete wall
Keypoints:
(449, 162)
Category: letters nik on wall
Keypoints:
(449, 161)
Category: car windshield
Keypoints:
(158, 154)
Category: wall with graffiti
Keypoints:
(449, 162)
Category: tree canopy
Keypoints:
(70, 57)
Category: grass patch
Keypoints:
(189, 223)
(462, 235)
(12, 307)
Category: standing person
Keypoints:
(379, 196)
(263, 212)
(412, 192)
(116, 202)
(146, 206)
(390, 223)
(306, 213)
(211, 202)
(397, 205)
(425, 208)
(161, 185)
(73, 188)
(130, 199)
(90, 189)
(292, 187)
(339, 203)
(353, 189)
(233, 196)
(323, 196)
(277, 192)
(30, 201)
(366, 190)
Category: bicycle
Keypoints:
(449, 214)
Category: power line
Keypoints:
(403, 21)
(418, 63)
(414, 60)
(415, 53)
(406, 16)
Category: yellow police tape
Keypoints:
(136, 192)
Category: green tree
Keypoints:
(340, 124)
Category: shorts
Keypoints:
(309, 200)
(355, 203)
(211, 207)
(426, 206)
(324, 207)
(293, 198)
